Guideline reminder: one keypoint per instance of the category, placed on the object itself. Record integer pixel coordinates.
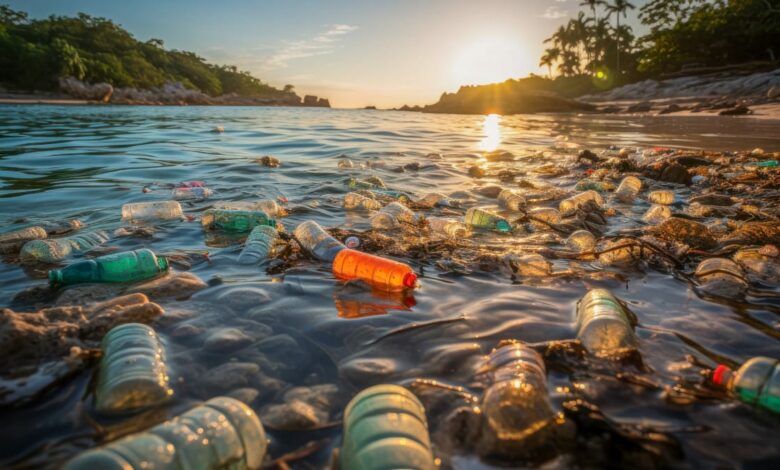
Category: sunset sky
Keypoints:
(355, 52)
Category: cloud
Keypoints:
(554, 13)
(322, 44)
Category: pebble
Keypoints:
(226, 340)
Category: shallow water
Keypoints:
(85, 162)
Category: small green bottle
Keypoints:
(756, 383)
(235, 220)
(128, 266)
(480, 218)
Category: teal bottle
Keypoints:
(235, 220)
(756, 383)
(480, 218)
(128, 266)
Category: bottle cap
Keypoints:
(410, 280)
(720, 375)
(352, 242)
(503, 226)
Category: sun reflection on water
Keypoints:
(491, 128)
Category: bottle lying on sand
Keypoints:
(756, 383)
(235, 220)
(392, 216)
(480, 218)
(358, 201)
(221, 433)
(603, 325)
(510, 200)
(127, 266)
(385, 428)
(258, 245)
(571, 204)
(447, 227)
(317, 241)
(132, 370)
(629, 189)
(152, 211)
(52, 250)
(381, 273)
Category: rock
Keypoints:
(176, 285)
(323, 103)
(588, 155)
(641, 107)
(755, 233)
(310, 100)
(85, 293)
(286, 357)
(246, 395)
(740, 110)
(499, 156)
(712, 200)
(689, 232)
(675, 173)
(672, 108)
(187, 330)
(476, 171)
(510, 97)
(366, 371)
(773, 92)
(76, 88)
(492, 191)
(292, 416)
(226, 340)
(689, 161)
(229, 376)
(269, 161)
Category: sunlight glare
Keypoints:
(489, 60)
(491, 128)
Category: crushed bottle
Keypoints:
(447, 227)
(721, 277)
(662, 197)
(53, 250)
(392, 216)
(152, 211)
(482, 219)
(628, 189)
(220, 433)
(571, 204)
(657, 214)
(756, 383)
(603, 325)
(317, 241)
(581, 241)
(132, 371)
(358, 201)
(127, 266)
(385, 428)
(258, 245)
(191, 192)
(512, 201)
(235, 220)
(381, 273)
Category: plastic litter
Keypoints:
(392, 216)
(317, 241)
(53, 250)
(628, 189)
(381, 273)
(358, 201)
(603, 325)
(258, 245)
(235, 220)
(127, 266)
(152, 211)
(482, 219)
(756, 383)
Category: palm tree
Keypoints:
(618, 7)
(550, 56)
(592, 4)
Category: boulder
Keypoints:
(94, 92)
(642, 107)
(310, 100)
(773, 92)
(323, 103)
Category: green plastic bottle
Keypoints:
(235, 220)
(384, 428)
(480, 218)
(756, 383)
(128, 266)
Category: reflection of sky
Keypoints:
(491, 129)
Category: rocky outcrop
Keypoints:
(504, 99)
(311, 100)
(101, 92)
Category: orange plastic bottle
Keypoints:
(381, 273)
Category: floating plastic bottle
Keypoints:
(194, 192)
(530, 265)
(516, 405)
(436, 200)
(447, 227)
(352, 242)
(482, 219)
(23, 235)
(258, 245)
(235, 220)
(369, 183)
(128, 266)
(346, 163)
(385, 428)
(629, 189)
(580, 241)
(53, 250)
(269, 206)
(621, 252)
(132, 371)
(60, 227)
(603, 325)
(358, 201)
(571, 204)
(151, 211)
(317, 241)
(661, 197)
(721, 276)
(381, 273)
(593, 185)
(510, 200)
(657, 214)
(221, 433)
(544, 214)
(762, 264)
(392, 216)
(756, 383)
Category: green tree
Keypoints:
(618, 7)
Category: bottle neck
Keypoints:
(55, 277)
(721, 376)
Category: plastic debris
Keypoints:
(603, 325)
(756, 383)
(258, 245)
(127, 266)
(152, 211)
(381, 273)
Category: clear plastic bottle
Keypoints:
(628, 189)
(269, 206)
(530, 265)
(657, 214)
(392, 216)
(759, 264)
(603, 325)
(23, 235)
(447, 227)
(545, 214)
(258, 245)
(385, 428)
(482, 219)
(53, 250)
(221, 433)
(662, 197)
(571, 204)
(621, 252)
(317, 241)
(358, 201)
(581, 241)
(756, 383)
(721, 276)
(510, 200)
(381, 273)
(235, 220)
(132, 370)
(127, 266)
(435, 200)
(195, 192)
(594, 185)
(151, 211)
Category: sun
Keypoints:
(489, 60)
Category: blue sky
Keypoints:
(355, 52)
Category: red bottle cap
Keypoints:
(410, 280)
(719, 374)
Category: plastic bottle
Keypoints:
(480, 218)
(580, 241)
(530, 265)
(368, 183)
(657, 214)
(762, 264)
(150, 211)
(381, 273)
(358, 201)
(571, 204)
(53, 250)
(258, 245)
(661, 197)
(235, 220)
(23, 235)
(392, 216)
(510, 200)
(317, 241)
(516, 405)
(756, 383)
(603, 326)
(60, 227)
(345, 163)
(447, 227)
(621, 252)
(194, 192)
(628, 189)
(545, 214)
(128, 266)
(594, 185)
(221, 433)
(721, 276)
(385, 428)
(435, 200)
(269, 206)
(132, 370)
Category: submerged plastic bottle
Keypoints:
(192, 192)
(269, 206)
(235, 220)
(317, 241)
(23, 235)
(510, 200)
(595, 185)
(127, 266)
(447, 227)
(761, 264)
(381, 273)
(258, 245)
(581, 240)
(150, 211)
(480, 218)
(392, 216)
(358, 201)
(544, 214)
(571, 204)
(220, 433)
(385, 428)
(629, 189)
(756, 383)
(657, 214)
(603, 325)
(620, 252)
(132, 370)
(56, 249)
(436, 200)
(721, 276)
(662, 197)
